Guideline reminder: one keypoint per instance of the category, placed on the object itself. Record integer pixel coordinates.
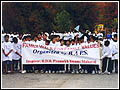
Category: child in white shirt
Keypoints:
(106, 56)
(115, 54)
(7, 51)
(16, 54)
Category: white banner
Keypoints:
(33, 53)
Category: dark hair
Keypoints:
(24, 37)
(66, 41)
(107, 43)
(61, 40)
(45, 34)
(47, 41)
(88, 39)
(28, 36)
(57, 36)
(6, 36)
(115, 35)
(35, 36)
(15, 40)
(73, 40)
(52, 37)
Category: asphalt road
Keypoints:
(31, 80)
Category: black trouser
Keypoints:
(90, 68)
(97, 68)
(60, 67)
(39, 67)
(104, 64)
(28, 67)
(115, 62)
(7, 63)
(86, 67)
(74, 67)
(15, 64)
(67, 70)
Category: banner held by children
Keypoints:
(39, 54)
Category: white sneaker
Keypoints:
(56, 71)
(93, 72)
(41, 71)
(77, 72)
(23, 71)
(36, 71)
(53, 71)
(46, 71)
(108, 73)
(60, 71)
(9, 71)
(73, 72)
(82, 71)
(63, 71)
(86, 71)
(49, 71)
(99, 72)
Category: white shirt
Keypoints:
(115, 50)
(3, 56)
(72, 45)
(7, 46)
(66, 36)
(3, 40)
(16, 48)
(100, 35)
(53, 44)
(42, 42)
(57, 43)
(73, 35)
(106, 52)
(85, 39)
(110, 40)
(62, 46)
(113, 33)
(19, 41)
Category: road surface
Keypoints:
(31, 80)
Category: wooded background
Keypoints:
(35, 17)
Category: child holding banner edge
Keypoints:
(106, 58)
(7, 51)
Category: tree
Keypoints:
(62, 21)
(114, 23)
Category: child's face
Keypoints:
(35, 38)
(7, 39)
(44, 37)
(20, 36)
(54, 40)
(115, 38)
(57, 39)
(62, 42)
(39, 36)
(73, 42)
(46, 43)
(68, 43)
(28, 39)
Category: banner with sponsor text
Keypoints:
(35, 53)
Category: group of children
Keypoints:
(12, 58)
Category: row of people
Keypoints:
(12, 53)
